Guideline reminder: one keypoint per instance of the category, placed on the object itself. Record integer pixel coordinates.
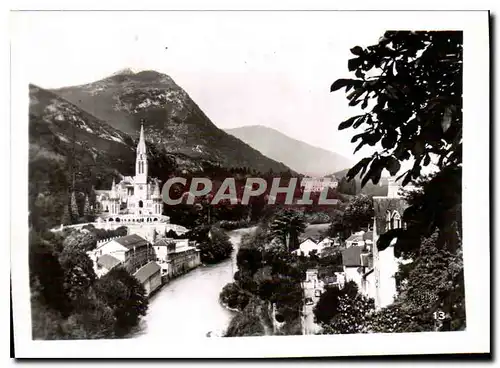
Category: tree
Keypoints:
(343, 311)
(234, 297)
(410, 83)
(92, 318)
(353, 311)
(410, 86)
(79, 273)
(433, 283)
(80, 241)
(125, 296)
(249, 259)
(328, 304)
(66, 217)
(75, 213)
(358, 213)
(88, 213)
(288, 225)
(347, 187)
(213, 247)
(47, 275)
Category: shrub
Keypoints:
(234, 297)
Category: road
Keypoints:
(189, 305)
(309, 327)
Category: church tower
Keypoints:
(141, 187)
(141, 160)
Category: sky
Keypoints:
(242, 68)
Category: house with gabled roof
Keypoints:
(132, 251)
(105, 263)
(149, 276)
(356, 261)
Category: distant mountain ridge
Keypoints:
(299, 156)
(173, 122)
(74, 150)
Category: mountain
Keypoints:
(173, 122)
(299, 156)
(61, 132)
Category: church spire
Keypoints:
(141, 160)
(141, 146)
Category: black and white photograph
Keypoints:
(249, 183)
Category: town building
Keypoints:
(361, 238)
(356, 262)
(149, 276)
(308, 245)
(388, 215)
(104, 264)
(176, 256)
(327, 242)
(132, 251)
(134, 199)
(318, 184)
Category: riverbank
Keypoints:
(254, 320)
(188, 306)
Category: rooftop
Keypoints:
(147, 271)
(315, 232)
(368, 235)
(356, 237)
(131, 241)
(351, 257)
(108, 261)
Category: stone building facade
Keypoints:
(134, 199)
(176, 256)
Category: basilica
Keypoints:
(133, 199)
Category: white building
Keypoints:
(149, 276)
(308, 245)
(360, 238)
(329, 242)
(131, 251)
(356, 261)
(388, 215)
(133, 199)
(318, 184)
(176, 256)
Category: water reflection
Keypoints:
(189, 305)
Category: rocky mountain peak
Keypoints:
(125, 71)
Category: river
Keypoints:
(188, 306)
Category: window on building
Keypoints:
(388, 221)
(396, 220)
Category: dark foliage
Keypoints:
(67, 302)
(47, 276)
(287, 225)
(414, 81)
(79, 273)
(343, 311)
(126, 296)
(234, 297)
(213, 248)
